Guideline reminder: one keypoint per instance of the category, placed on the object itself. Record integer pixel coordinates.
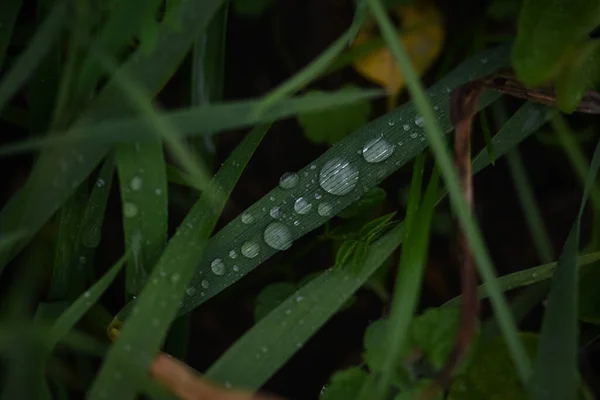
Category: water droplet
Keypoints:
(87, 294)
(236, 268)
(406, 127)
(278, 236)
(301, 206)
(420, 121)
(377, 150)
(233, 254)
(247, 218)
(318, 195)
(100, 183)
(391, 122)
(296, 223)
(414, 135)
(205, 284)
(158, 192)
(175, 278)
(313, 166)
(288, 180)
(324, 209)
(250, 249)
(275, 212)
(136, 183)
(484, 60)
(338, 177)
(130, 210)
(299, 299)
(217, 266)
(190, 291)
(264, 349)
(436, 108)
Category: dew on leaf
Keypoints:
(278, 236)
(250, 249)
(301, 206)
(377, 150)
(247, 218)
(130, 210)
(288, 180)
(217, 266)
(338, 177)
(324, 209)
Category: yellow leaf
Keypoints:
(422, 34)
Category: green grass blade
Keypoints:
(528, 203)
(228, 369)
(143, 182)
(93, 217)
(9, 11)
(48, 186)
(555, 376)
(136, 345)
(38, 47)
(67, 320)
(227, 243)
(434, 137)
(257, 355)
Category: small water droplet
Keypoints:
(87, 294)
(233, 254)
(484, 60)
(296, 223)
(205, 284)
(250, 249)
(236, 268)
(338, 177)
(420, 121)
(436, 108)
(247, 218)
(275, 212)
(318, 195)
(130, 210)
(278, 236)
(414, 135)
(175, 278)
(301, 206)
(324, 209)
(264, 349)
(100, 183)
(158, 192)
(313, 166)
(377, 150)
(288, 180)
(406, 127)
(136, 183)
(217, 266)
(299, 299)
(391, 122)
(190, 291)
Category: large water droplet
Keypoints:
(301, 206)
(288, 180)
(324, 209)
(130, 210)
(377, 150)
(136, 183)
(275, 212)
(420, 121)
(278, 236)
(338, 177)
(250, 249)
(217, 266)
(247, 218)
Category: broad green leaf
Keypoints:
(468, 225)
(38, 47)
(491, 372)
(143, 183)
(578, 77)
(48, 186)
(158, 302)
(434, 332)
(251, 8)
(344, 385)
(270, 297)
(555, 376)
(9, 11)
(374, 227)
(93, 218)
(548, 36)
(330, 126)
(369, 201)
(359, 255)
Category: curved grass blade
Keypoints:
(143, 181)
(136, 345)
(467, 222)
(330, 292)
(48, 186)
(227, 244)
(556, 373)
(93, 217)
(9, 11)
(37, 49)
(201, 120)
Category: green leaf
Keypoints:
(330, 126)
(48, 186)
(251, 8)
(376, 346)
(548, 32)
(367, 203)
(344, 385)
(373, 228)
(359, 255)
(9, 11)
(93, 218)
(416, 390)
(434, 332)
(270, 297)
(577, 77)
(158, 302)
(491, 373)
(345, 252)
(555, 375)
(143, 182)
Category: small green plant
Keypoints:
(108, 241)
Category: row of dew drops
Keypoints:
(337, 177)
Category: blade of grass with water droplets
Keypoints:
(398, 128)
(47, 186)
(157, 304)
(93, 217)
(556, 373)
(38, 47)
(328, 292)
(467, 222)
(9, 11)
(143, 183)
